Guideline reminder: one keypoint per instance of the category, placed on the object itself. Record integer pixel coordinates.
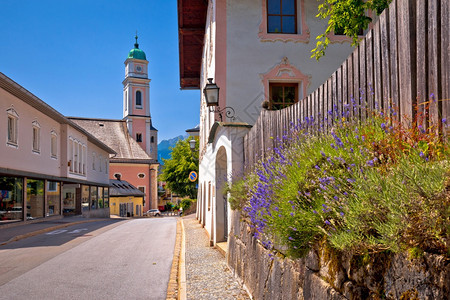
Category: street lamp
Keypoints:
(211, 92)
(192, 144)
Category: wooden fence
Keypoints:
(401, 67)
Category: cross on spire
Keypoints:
(136, 45)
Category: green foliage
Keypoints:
(366, 187)
(176, 169)
(346, 16)
(186, 203)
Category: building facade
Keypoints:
(47, 161)
(258, 53)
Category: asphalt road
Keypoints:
(110, 259)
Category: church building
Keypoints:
(133, 138)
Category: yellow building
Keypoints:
(125, 199)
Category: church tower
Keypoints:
(136, 101)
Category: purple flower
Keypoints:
(421, 154)
(444, 121)
(370, 163)
(351, 150)
(317, 167)
(383, 126)
(336, 198)
(341, 213)
(314, 211)
(327, 222)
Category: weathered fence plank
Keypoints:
(377, 65)
(393, 53)
(362, 79)
(406, 60)
(421, 60)
(356, 94)
(434, 67)
(369, 74)
(445, 63)
(385, 61)
(351, 95)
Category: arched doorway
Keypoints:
(221, 208)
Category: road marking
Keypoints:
(78, 230)
(55, 232)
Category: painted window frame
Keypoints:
(302, 35)
(12, 136)
(36, 137)
(285, 73)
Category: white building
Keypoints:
(255, 51)
(49, 166)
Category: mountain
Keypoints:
(164, 146)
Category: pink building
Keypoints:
(133, 138)
(49, 166)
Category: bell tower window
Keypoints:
(138, 99)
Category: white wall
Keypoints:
(22, 157)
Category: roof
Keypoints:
(121, 188)
(21, 93)
(114, 133)
(191, 30)
(137, 53)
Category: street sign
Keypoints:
(193, 176)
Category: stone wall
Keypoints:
(327, 274)
(97, 213)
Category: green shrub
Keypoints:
(365, 187)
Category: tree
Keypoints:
(348, 17)
(177, 168)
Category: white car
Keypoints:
(153, 212)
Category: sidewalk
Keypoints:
(10, 234)
(207, 274)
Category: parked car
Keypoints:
(153, 212)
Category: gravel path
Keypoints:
(207, 274)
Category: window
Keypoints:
(141, 188)
(139, 137)
(138, 98)
(54, 144)
(70, 155)
(36, 136)
(84, 160)
(93, 161)
(152, 139)
(100, 159)
(282, 95)
(281, 16)
(12, 126)
(141, 175)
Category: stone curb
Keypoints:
(44, 230)
(182, 293)
(173, 286)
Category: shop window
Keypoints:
(94, 200)
(35, 199)
(85, 197)
(282, 95)
(106, 196)
(11, 199)
(36, 137)
(100, 197)
(138, 99)
(139, 137)
(281, 16)
(53, 198)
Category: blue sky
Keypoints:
(70, 54)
